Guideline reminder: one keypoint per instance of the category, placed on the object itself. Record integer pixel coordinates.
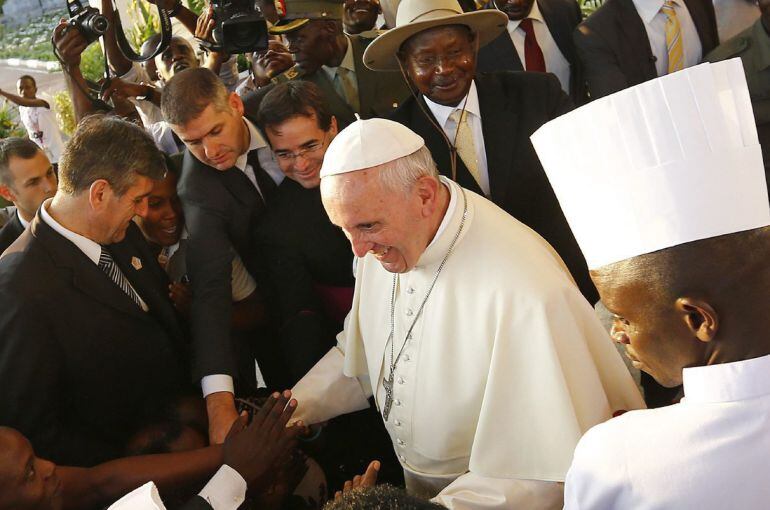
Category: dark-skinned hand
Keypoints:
(255, 448)
(69, 43)
(368, 479)
(122, 90)
(181, 295)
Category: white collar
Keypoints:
(442, 112)
(256, 141)
(347, 61)
(727, 382)
(534, 14)
(24, 223)
(90, 249)
(648, 9)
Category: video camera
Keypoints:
(240, 27)
(87, 20)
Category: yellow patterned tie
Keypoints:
(466, 148)
(673, 38)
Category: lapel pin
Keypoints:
(136, 263)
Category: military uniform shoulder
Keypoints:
(734, 47)
(293, 73)
(370, 34)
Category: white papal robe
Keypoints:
(709, 452)
(506, 368)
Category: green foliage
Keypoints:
(65, 115)
(196, 6)
(589, 6)
(31, 40)
(145, 21)
(9, 124)
(92, 62)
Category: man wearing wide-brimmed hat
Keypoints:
(333, 60)
(435, 46)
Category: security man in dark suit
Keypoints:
(27, 178)
(91, 349)
(488, 150)
(228, 177)
(539, 38)
(623, 43)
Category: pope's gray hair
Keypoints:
(400, 174)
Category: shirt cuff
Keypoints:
(226, 490)
(217, 383)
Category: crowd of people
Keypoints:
(423, 254)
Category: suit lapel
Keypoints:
(559, 26)
(702, 24)
(86, 276)
(499, 122)
(637, 43)
(337, 106)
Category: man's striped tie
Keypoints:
(108, 265)
(673, 38)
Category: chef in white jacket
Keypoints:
(681, 261)
(484, 359)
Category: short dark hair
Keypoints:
(109, 148)
(191, 91)
(28, 77)
(14, 147)
(292, 99)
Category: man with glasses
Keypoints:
(307, 259)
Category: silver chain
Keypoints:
(394, 362)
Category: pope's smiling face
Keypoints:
(391, 225)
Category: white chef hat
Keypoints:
(667, 162)
(369, 143)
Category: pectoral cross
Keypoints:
(388, 385)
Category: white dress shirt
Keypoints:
(655, 25)
(24, 223)
(709, 452)
(473, 113)
(554, 59)
(90, 249)
(225, 491)
(216, 383)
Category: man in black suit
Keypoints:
(499, 111)
(27, 178)
(624, 43)
(545, 26)
(90, 346)
(307, 259)
(228, 176)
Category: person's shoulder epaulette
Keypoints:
(292, 73)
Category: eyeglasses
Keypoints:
(302, 153)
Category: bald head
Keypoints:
(26, 482)
(695, 304)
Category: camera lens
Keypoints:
(99, 24)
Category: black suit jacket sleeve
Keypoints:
(209, 263)
(31, 382)
(601, 68)
(197, 503)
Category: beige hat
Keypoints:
(369, 143)
(414, 16)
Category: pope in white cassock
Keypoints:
(677, 176)
(484, 359)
